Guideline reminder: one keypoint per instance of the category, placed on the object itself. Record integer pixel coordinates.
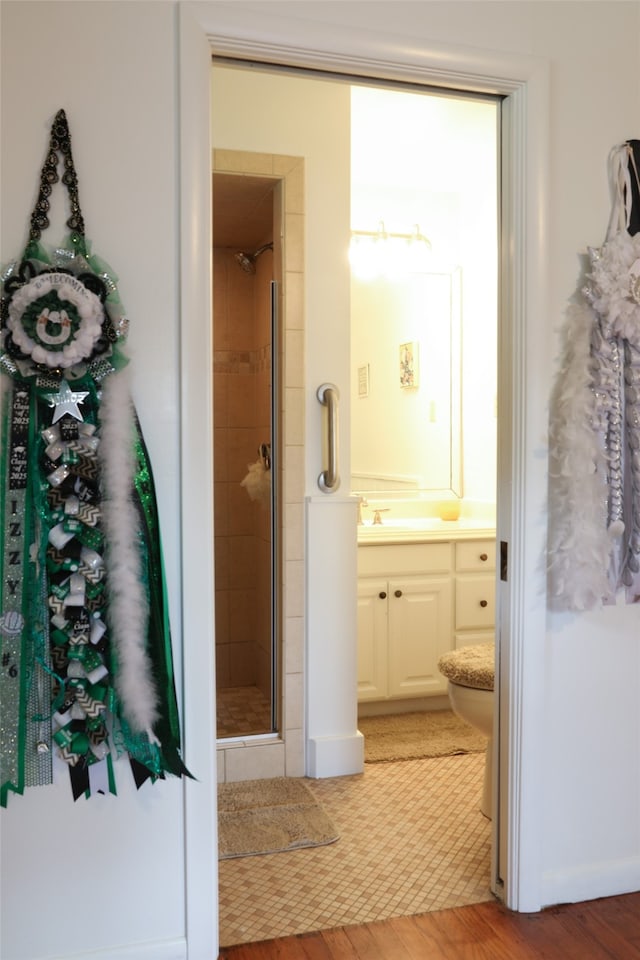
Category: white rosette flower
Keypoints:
(614, 287)
(55, 320)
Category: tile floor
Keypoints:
(242, 711)
(412, 840)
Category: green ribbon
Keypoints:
(167, 727)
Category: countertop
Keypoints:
(424, 530)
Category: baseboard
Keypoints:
(384, 708)
(591, 882)
(151, 950)
(335, 756)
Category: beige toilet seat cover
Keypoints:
(472, 666)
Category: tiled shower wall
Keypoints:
(241, 364)
(282, 755)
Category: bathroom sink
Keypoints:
(426, 523)
(404, 526)
(413, 528)
(409, 523)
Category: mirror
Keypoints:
(424, 267)
(406, 383)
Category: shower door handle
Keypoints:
(328, 395)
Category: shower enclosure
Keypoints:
(246, 454)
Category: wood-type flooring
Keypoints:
(605, 929)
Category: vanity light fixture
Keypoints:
(380, 253)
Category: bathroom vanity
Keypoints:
(423, 588)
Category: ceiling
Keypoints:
(242, 210)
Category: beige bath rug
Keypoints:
(269, 816)
(412, 736)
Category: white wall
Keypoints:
(108, 873)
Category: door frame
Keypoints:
(524, 83)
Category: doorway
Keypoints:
(258, 208)
(247, 454)
(267, 105)
(525, 179)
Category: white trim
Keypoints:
(335, 756)
(476, 79)
(259, 34)
(591, 881)
(522, 619)
(196, 477)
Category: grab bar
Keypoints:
(328, 395)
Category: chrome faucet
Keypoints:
(362, 502)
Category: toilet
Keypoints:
(471, 674)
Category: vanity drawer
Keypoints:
(475, 602)
(395, 559)
(474, 556)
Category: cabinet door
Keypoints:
(420, 631)
(475, 556)
(475, 601)
(372, 639)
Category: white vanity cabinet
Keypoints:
(475, 591)
(416, 601)
(405, 619)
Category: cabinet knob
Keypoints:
(382, 595)
(483, 603)
(398, 593)
(483, 556)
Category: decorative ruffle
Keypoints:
(613, 287)
(580, 547)
(594, 484)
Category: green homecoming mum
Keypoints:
(86, 666)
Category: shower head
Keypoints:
(247, 261)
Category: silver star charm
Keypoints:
(66, 401)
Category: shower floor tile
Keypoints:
(242, 711)
(412, 840)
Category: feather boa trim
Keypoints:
(614, 287)
(580, 546)
(128, 605)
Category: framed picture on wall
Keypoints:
(409, 365)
